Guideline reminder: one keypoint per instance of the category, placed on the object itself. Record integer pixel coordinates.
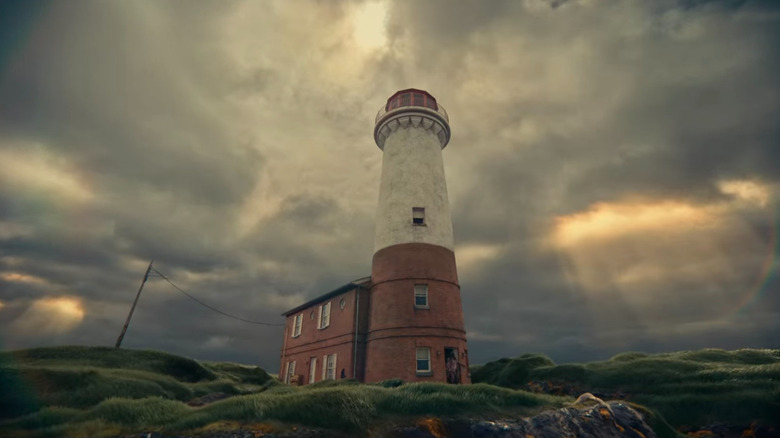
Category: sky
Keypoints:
(613, 172)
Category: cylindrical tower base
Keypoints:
(399, 325)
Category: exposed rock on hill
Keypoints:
(614, 419)
(603, 420)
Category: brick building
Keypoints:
(405, 320)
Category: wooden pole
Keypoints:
(130, 315)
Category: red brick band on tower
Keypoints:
(397, 328)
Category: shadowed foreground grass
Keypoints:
(347, 408)
(689, 388)
(80, 391)
(81, 377)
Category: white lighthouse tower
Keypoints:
(416, 329)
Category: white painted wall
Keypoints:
(413, 176)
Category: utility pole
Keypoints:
(130, 315)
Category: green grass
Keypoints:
(347, 408)
(77, 391)
(177, 367)
(82, 377)
(687, 388)
(80, 391)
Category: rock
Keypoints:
(208, 398)
(601, 420)
(614, 419)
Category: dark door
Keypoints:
(452, 365)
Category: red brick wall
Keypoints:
(397, 327)
(338, 337)
(413, 260)
(390, 358)
(344, 357)
(390, 327)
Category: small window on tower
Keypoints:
(418, 216)
(421, 296)
(423, 361)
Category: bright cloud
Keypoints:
(22, 278)
(35, 170)
(469, 256)
(606, 220)
(749, 191)
(370, 21)
(50, 316)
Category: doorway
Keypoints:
(452, 365)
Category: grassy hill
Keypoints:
(689, 388)
(93, 391)
(87, 391)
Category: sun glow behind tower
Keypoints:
(370, 21)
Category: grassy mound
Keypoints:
(177, 367)
(689, 388)
(80, 391)
(81, 377)
(347, 408)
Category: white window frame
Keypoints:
(324, 316)
(422, 353)
(297, 325)
(331, 367)
(290, 372)
(421, 290)
(328, 371)
(312, 369)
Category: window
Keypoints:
(297, 325)
(431, 103)
(325, 315)
(342, 304)
(423, 360)
(418, 99)
(329, 367)
(312, 369)
(421, 296)
(290, 372)
(332, 367)
(418, 215)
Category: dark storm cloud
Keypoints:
(684, 104)
(124, 101)
(231, 142)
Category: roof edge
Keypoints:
(339, 290)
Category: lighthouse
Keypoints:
(415, 326)
(405, 321)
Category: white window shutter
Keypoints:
(324, 366)
(335, 367)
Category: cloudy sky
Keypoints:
(614, 168)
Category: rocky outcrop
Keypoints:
(208, 398)
(607, 420)
(600, 420)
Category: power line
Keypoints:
(210, 307)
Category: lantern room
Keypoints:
(411, 102)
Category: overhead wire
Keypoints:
(211, 307)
